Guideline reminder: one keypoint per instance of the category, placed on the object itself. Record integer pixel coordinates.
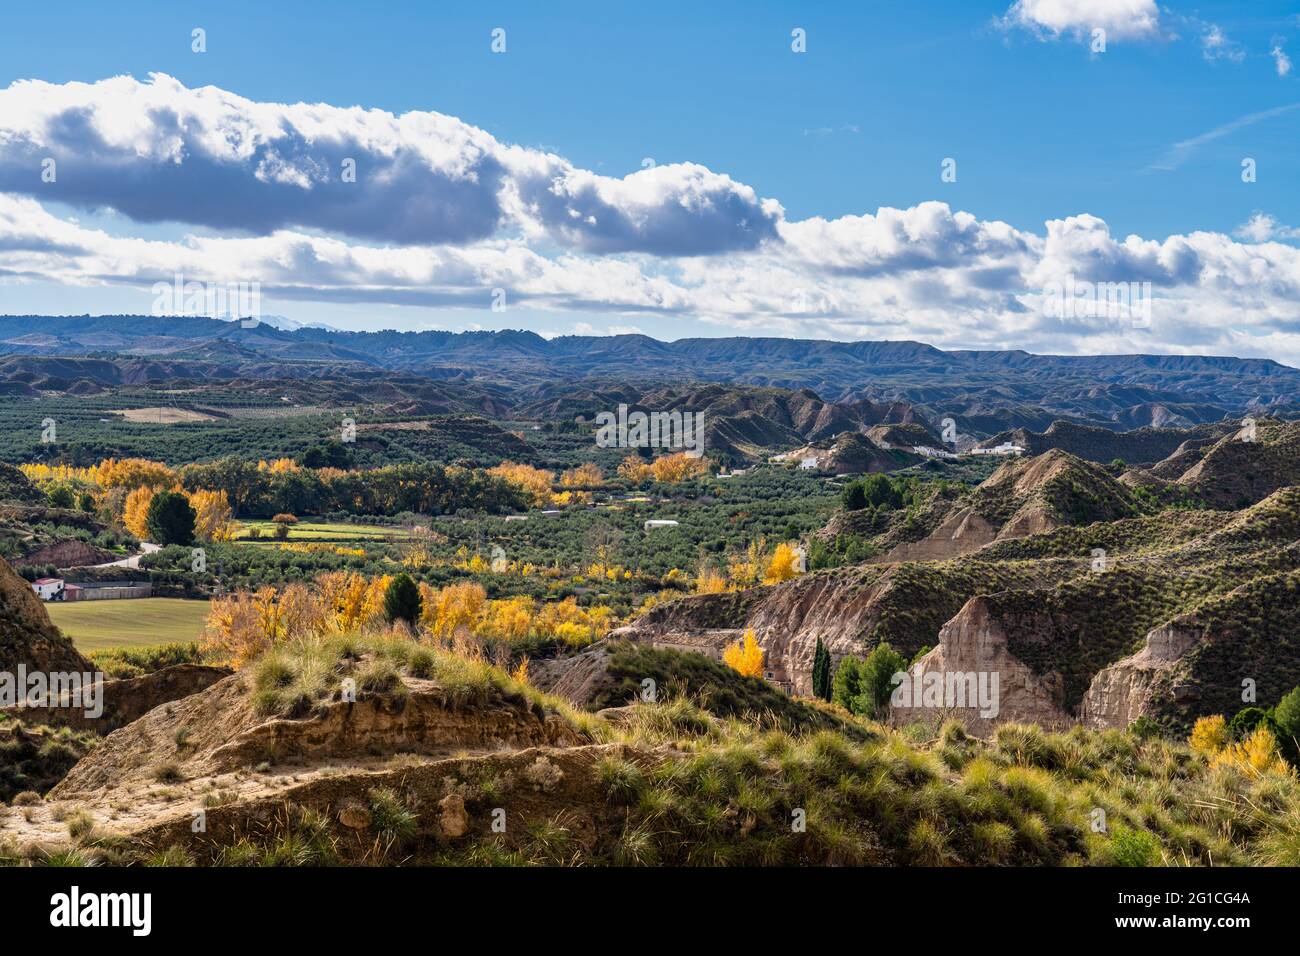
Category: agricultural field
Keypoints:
(106, 625)
(309, 530)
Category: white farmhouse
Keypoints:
(48, 589)
(1006, 448)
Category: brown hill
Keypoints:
(26, 635)
(1061, 582)
(1024, 496)
(1140, 446)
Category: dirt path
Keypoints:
(133, 561)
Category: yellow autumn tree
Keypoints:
(745, 656)
(351, 601)
(134, 473)
(536, 482)
(678, 467)
(302, 613)
(455, 607)
(710, 580)
(584, 476)
(510, 619)
(1209, 735)
(278, 466)
(748, 568)
(1256, 755)
(237, 628)
(783, 566)
(214, 518)
(635, 469)
(135, 512)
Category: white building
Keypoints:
(1006, 448)
(659, 523)
(48, 589)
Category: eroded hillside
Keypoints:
(1090, 598)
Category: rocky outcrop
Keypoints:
(69, 554)
(219, 730)
(579, 678)
(982, 683)
(1127, 690)
(851, 453)
(1025, 496)
(841, 608)
(126, 699)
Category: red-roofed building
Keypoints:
(48, 589)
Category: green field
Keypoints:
(101, 625)
(325, 531)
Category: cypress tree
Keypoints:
(821, 672)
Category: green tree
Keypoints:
(877, 680)
(61, 497)
(875, 491)
(402, 600)
(821, 672)
(847, 685)
(170, 519)
(86, 502)
(1247, 719)
(881, 492)
(853, 496)
(1286, 717)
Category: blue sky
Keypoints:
(1041, 127)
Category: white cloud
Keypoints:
(1215, 44)
(570, 241)
(160, 152)
(1121, 19)
(1261, 227)
(1280, 59)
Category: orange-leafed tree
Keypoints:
(678, 467)
(213, 516)
(536, 482)
(134, 473)
(635, 469)
(135, 513)
(745, 656)
(783, 566)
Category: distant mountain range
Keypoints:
(985, 392)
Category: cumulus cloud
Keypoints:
(1261, 227)
(158, 151)
(1121, 19)
(472, 215)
